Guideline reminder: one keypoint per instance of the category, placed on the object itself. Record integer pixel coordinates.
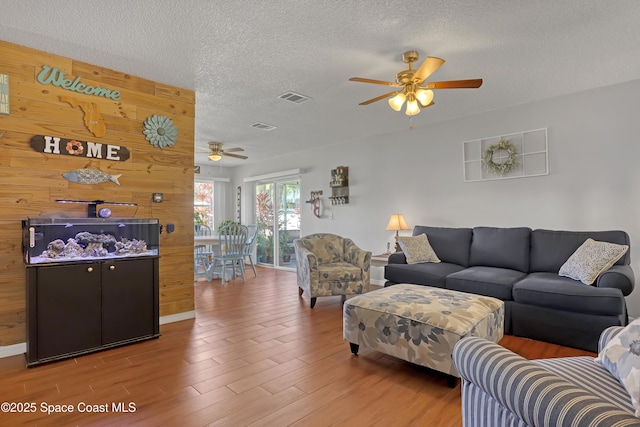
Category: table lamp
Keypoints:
(396, 223)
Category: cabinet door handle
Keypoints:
(112, 267)
(90, 269)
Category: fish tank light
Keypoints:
(92, 211)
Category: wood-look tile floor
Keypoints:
(255, 355)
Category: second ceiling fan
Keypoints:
(217, 152)
(413, 87)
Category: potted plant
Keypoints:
(198, 220)
(285, 247)
(268, 249)
(224, 224)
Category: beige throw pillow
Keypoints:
(417, 249)
(621, 357)
(591, 259)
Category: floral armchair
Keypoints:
(327, 264)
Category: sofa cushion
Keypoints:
(561, 293)
(501, 247)
(328, 248)
(450, 244)
(417, 249)
(427, 273)
(488, 281)
(621, 357)
(591, 259)
(341, 270)
(550, 249)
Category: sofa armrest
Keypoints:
(607, 334)
(397, 258)
(618, 276)
(304, 257)
(356, 256)
(530, 392)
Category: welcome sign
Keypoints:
(58, 78)
(4, 94)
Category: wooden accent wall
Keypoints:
(30, 181)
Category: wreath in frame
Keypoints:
(501, 165)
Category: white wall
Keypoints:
(594, 161)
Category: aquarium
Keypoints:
(51, 240)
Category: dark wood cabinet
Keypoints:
(78, 308)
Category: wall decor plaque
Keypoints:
(92, 118)
(4, 94)
(75, 147)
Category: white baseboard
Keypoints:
(13, 350)
(21, 348)
(379, 282)
(178, 317)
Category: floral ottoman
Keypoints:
(420, 324)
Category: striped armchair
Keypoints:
(500, 388)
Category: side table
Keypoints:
(380, 260)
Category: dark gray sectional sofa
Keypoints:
(520, 266)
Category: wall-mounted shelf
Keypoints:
(339, 186)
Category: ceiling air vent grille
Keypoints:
(296, 98)
(263, 126)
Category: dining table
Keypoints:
(212, 240)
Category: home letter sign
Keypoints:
(74, 147)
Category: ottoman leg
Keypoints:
(313, 302)
(354, 348)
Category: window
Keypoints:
(203, 204)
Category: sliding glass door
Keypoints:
(278, 219)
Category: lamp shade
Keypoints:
(215, 157)
(412, 107)
(397, 101)
(424, 96)
(397, 222)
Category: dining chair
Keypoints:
(201, 260)
(252, 234)
(203, 230)
(233, 239)
(202, 254)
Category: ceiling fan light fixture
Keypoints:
(215, 157)
(424, 96)
(412, 107)
(397, 101)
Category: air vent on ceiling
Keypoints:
(263, 126)
(296, 98)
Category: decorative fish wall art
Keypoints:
(90, 176)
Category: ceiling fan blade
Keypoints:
(428, 67)
(229, 150)
(237, 156)
(425, 106)
(386, 95)
(377, 82)
(454, 84)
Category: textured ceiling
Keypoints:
(239, 56)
